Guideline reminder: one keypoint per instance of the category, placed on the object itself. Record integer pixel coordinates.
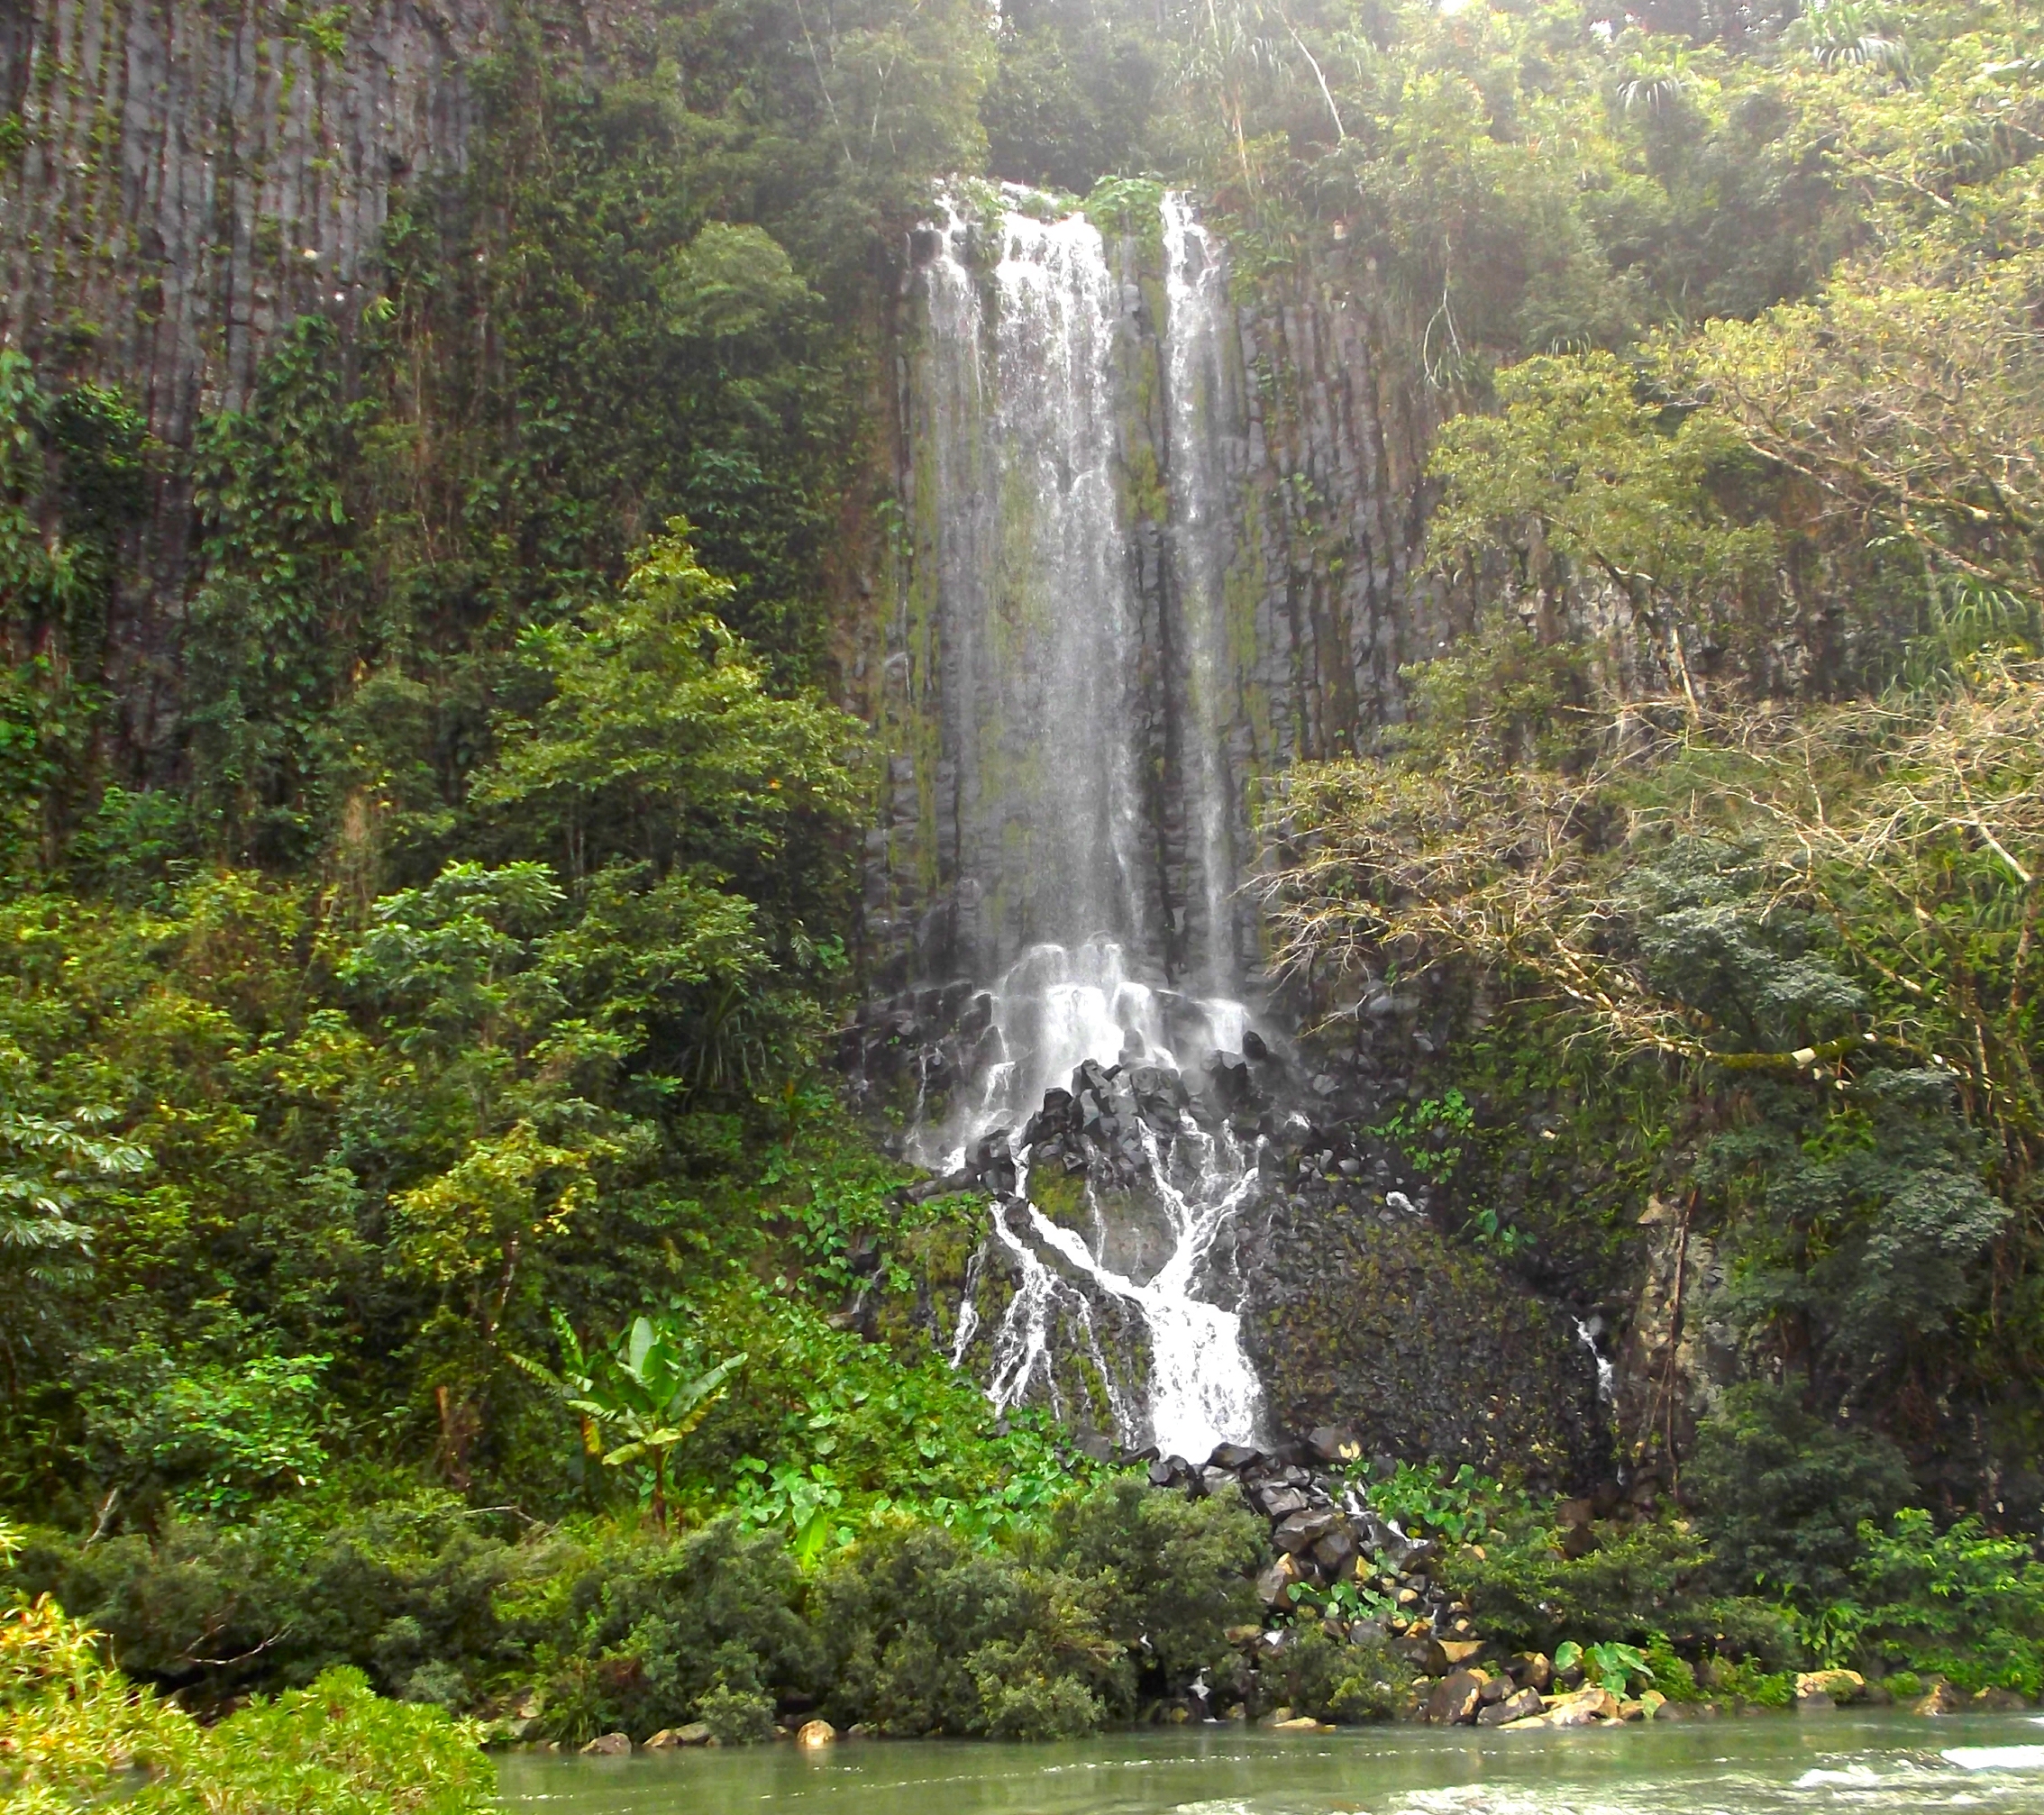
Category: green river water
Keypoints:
(1873, 1762)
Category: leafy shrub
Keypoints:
(1674, 1676)
(927, 1636)
(1336, 1680)
(74, 1724)
(1639, 1580)
(1173, 1573)
(405, 1585)
(1781, 1494)
(1963, 1603)
(654, 1631)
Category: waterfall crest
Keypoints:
(1086, 795)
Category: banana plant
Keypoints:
(640, 1400)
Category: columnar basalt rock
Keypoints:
(190, 180)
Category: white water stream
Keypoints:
(1017, 466)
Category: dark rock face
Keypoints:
(1375, 1322)
(196, 176)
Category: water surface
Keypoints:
(1865, 1764)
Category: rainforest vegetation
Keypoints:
(427, 1213)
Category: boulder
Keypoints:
(1840, 1686)
(816, 1733)
(1302, 1530)
(608, 1746)
(667, 1737)
(1997, 1701)
(1423, 1652)
(1276, 1499)
(1301, 1723)
(1273, 1586)
(1584, 1708)
(1521, 1704)
(1455, 1699)
(1234, 1456)
(1532, 1668)
(1335, 1552)
(1459, 1651)
(1334, 1444)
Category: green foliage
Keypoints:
(1964, 1603)
(1430, 1133)
(1343, 1681)
(75, 1725)
(1783, 1493)
(1427, 1501)
(649, 1391)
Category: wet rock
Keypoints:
(1234, 1456)
(1997, 1701)
(1423, 1653)
(1521, 1704)
(1300, 1531)
(1335, 1552)
(608, 1746)
(816, 1733)
(1455, 1699)
(1584, 1708)
(1278, 1500)
(1532, 1668)
(1820, 1690)
(1273, 1586)
(1334, 1444)
(1943, 1699)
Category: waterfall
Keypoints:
(1199, 392)
(1017, 478)
(1052, 778)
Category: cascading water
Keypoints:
(1201, 400)
(1058, 895)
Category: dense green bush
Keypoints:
(1781, 1494)
(76, 1727)
(1337, 1680)
(657, 1632)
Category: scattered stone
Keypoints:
(1455, 1699)
(1460, 1650)
(1651, 1703)
(662, 1741)
(858, 1729)
(816, 1733)
(1521, 1704)
(608, 1746)
(1533, 1668)
(1997, 1701)
(1234, 1456)
(1303, 1723)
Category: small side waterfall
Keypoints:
(1073, 754)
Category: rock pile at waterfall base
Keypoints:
(1324, 1535)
